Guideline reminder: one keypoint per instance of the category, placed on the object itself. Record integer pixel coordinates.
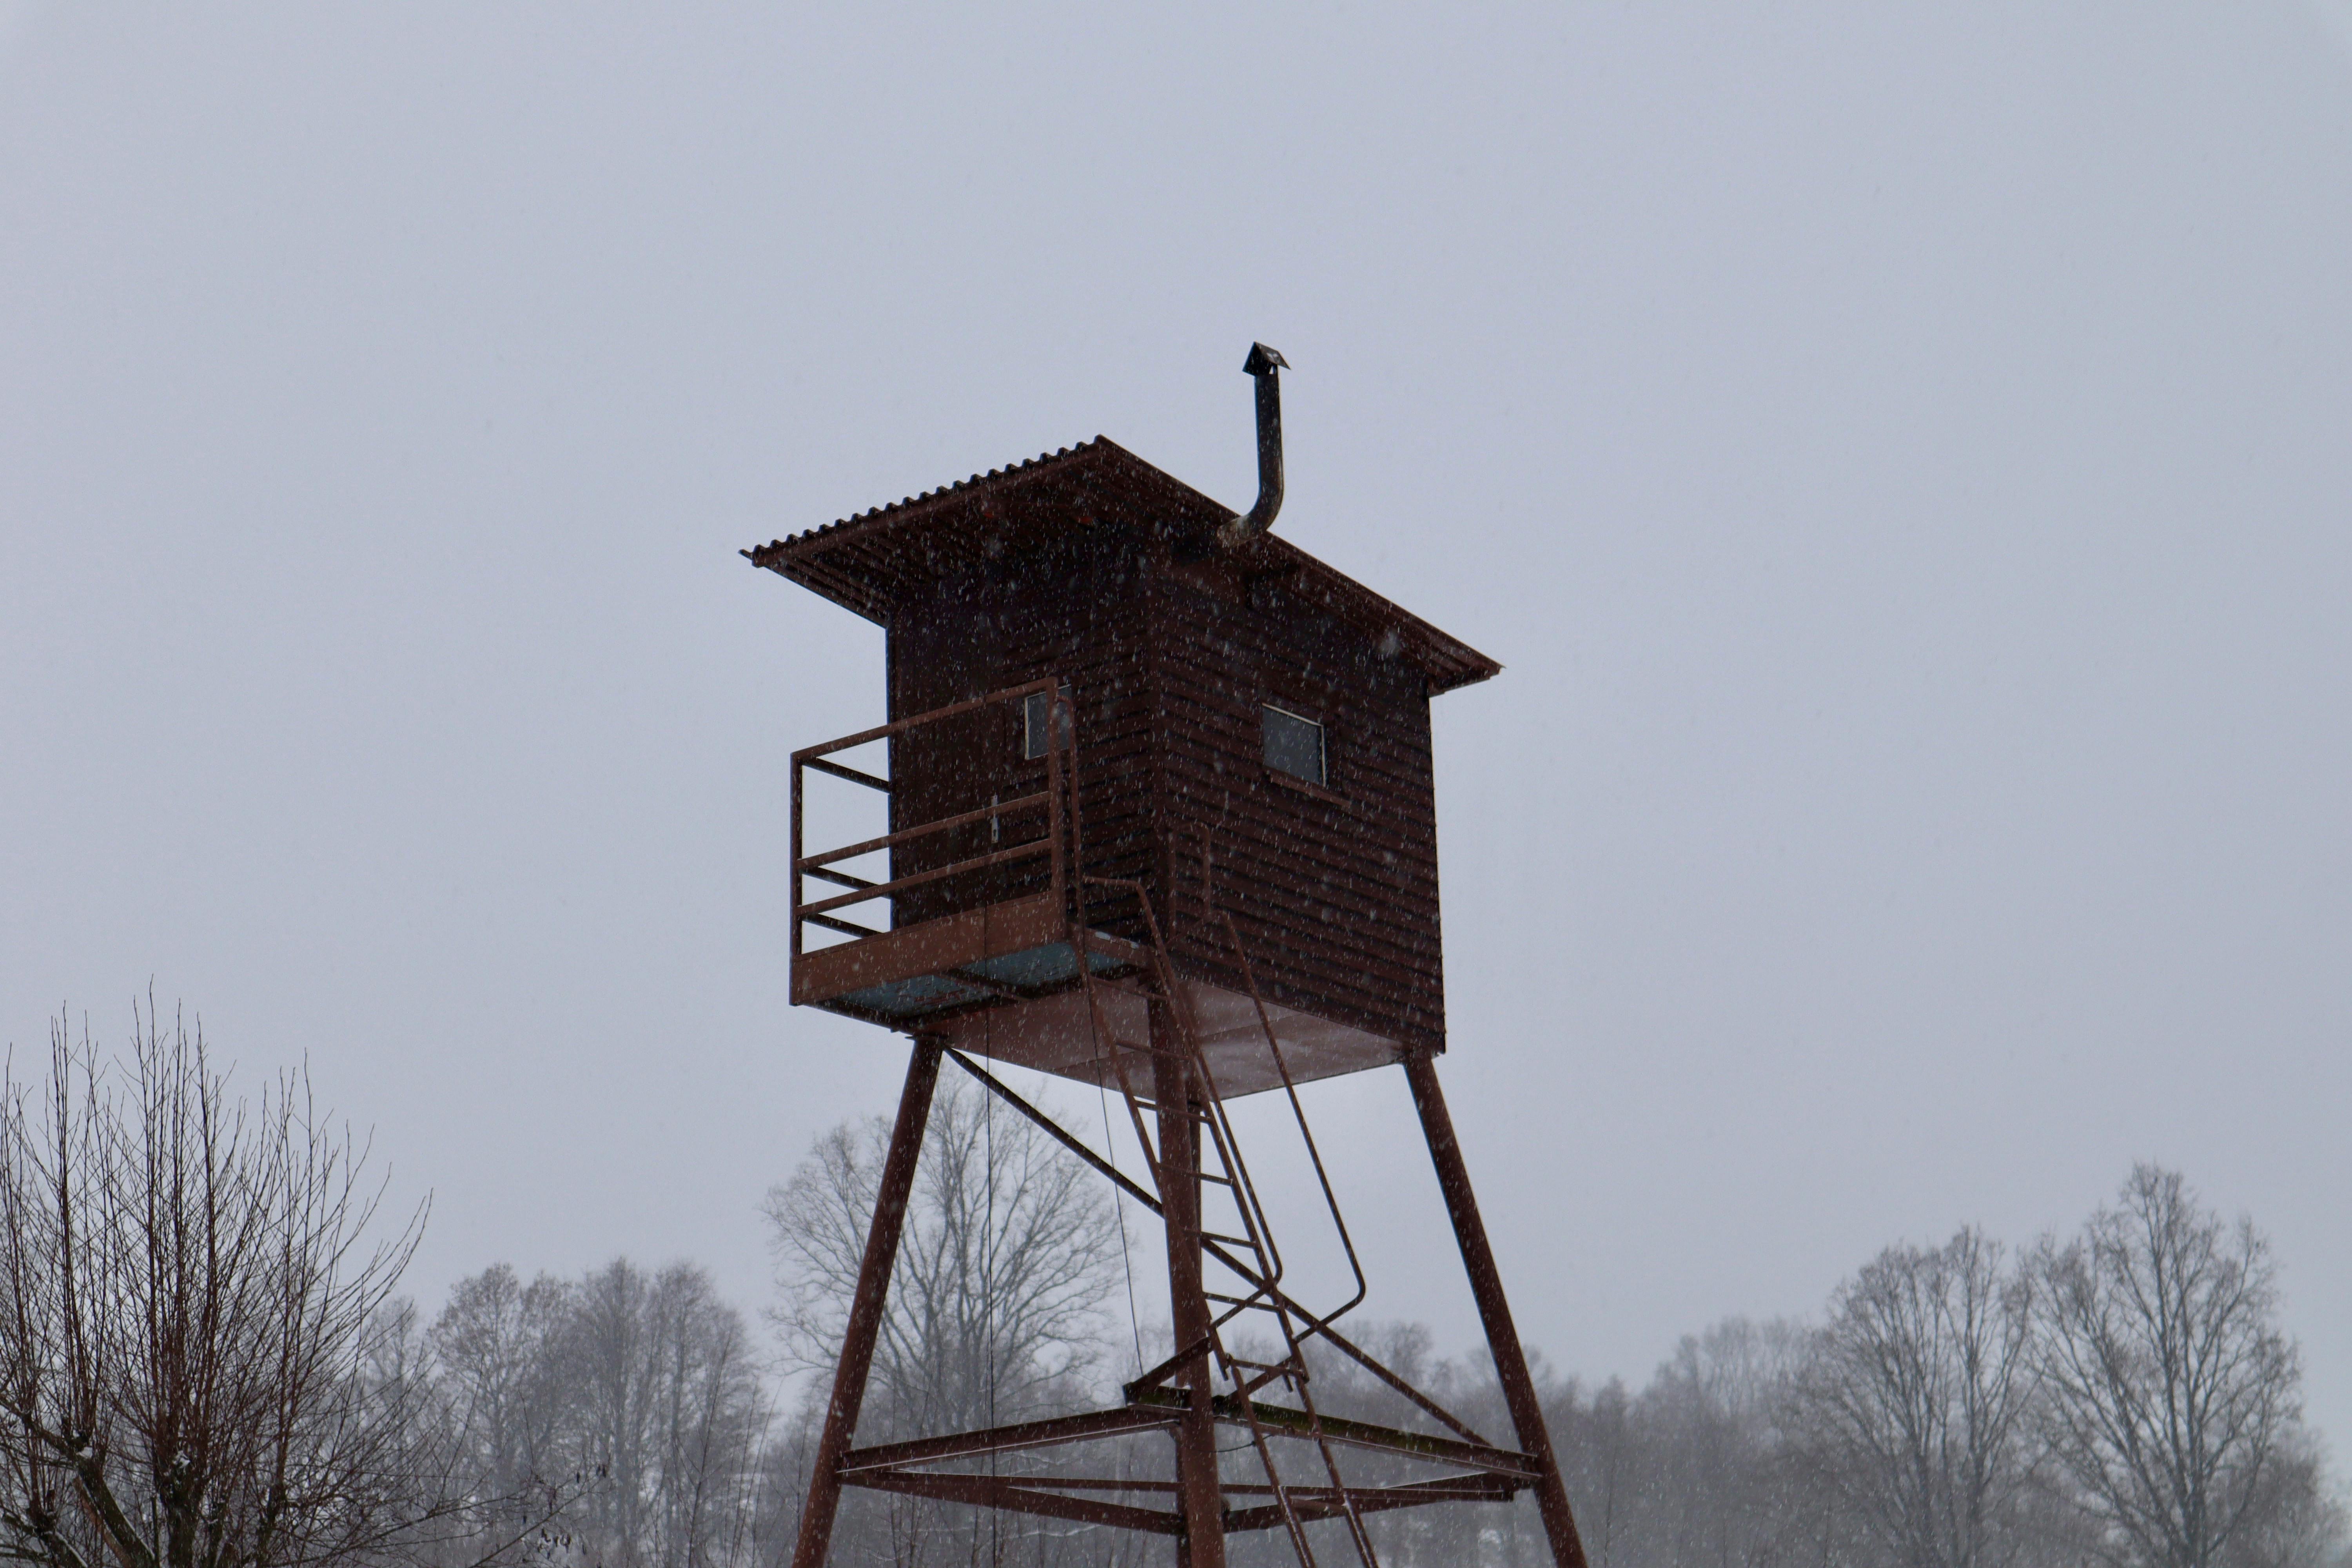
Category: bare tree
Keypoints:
(186, 1288)
(997, 1307)
(669, 1417)
(2171, 1389)
(496, 1352)
(1719, 1495)
(1005, 1269)
(619, 1417)
(1916, 1399)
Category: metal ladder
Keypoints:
(1248, 1250)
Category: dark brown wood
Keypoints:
(865, 1308)
(1495, 1311)
(1336, 891)
(1200, 1497)
(1169, 662)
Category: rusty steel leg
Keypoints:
(865, 1308)
(1494, 1311)
(1202, 1543)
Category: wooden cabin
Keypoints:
(1224, 748)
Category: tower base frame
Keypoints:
(1201, 1514)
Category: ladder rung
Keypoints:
(1293, 1378)
(1256, 1303)
(1229, 1240)
(1200, 1119)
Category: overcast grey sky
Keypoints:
(1899, 455)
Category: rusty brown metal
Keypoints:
(1310, 1503)
(1362, 1435)
(1320, 1328)
(865, 1308)
(1494, 1309)
(993, 1491)
(1202, 1543)
(1023, 1435)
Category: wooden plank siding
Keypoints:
(1073, 614)
(1169, 660)
(1334, 890)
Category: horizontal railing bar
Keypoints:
(852, 775)
(1022, 802)
(880, 889)
(843, 877)
(846, 927)
(896, 725)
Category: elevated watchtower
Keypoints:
(1160, 817)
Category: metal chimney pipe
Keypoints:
(1265, 365)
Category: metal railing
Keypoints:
(1049, 804)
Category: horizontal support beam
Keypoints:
(991, 1492)
(1292, 1423)
(1004, 1439)
(1308, 1504)
(1044, 1495)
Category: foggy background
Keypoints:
(1898, 455)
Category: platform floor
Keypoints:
(1003, 983)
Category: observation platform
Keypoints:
(1023, 979)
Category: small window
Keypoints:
(1037, 713)
(1294, 745)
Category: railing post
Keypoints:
(796, 862)
(1054, 774)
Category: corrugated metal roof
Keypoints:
(860, 518)
(875, 560)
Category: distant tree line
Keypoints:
(201, 1365)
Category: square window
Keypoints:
(1036, 713)
(1294, 745)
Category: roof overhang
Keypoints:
(875, 562)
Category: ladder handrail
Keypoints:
(1263, 1281)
